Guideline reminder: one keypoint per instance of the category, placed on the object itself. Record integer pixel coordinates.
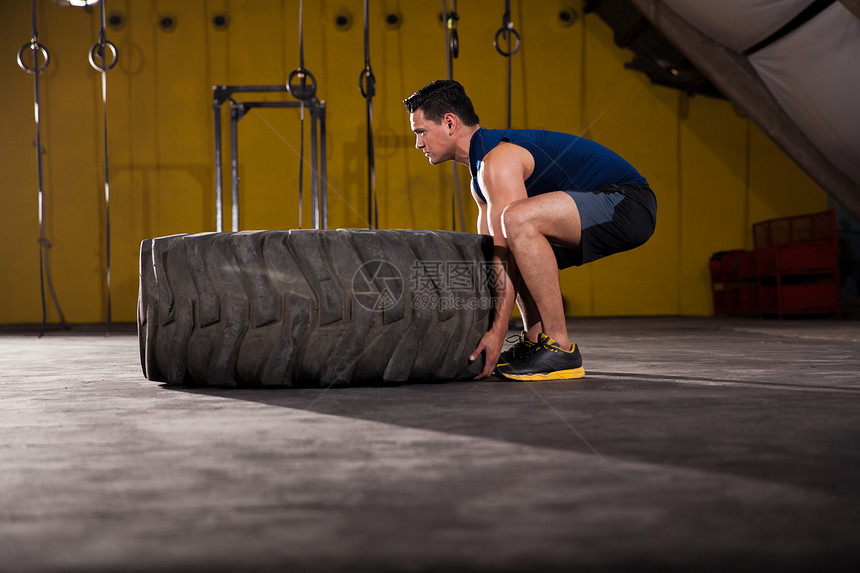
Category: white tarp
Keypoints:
(737, 24)
(814, 75)
(813, 72)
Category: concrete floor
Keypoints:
(693, 444)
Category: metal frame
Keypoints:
(238, 109)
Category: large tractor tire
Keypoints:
(312, 308)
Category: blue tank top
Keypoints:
(563, 162)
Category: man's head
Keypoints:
(443, 119)
(441, 97)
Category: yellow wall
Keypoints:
(713, 171)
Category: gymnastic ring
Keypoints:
(304, 90)
(454, 43)
(499, 49)
(367, 76)
(33, 46)
(104, 67)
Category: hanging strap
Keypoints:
(508, 33)
(302, 85)
(98, 58)
(452, 51)
(301, 159)
(36, 49)
(306, 87)
(367, 87)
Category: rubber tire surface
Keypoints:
(312, 307)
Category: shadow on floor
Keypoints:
(776, 432)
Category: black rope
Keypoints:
(98, 58)
(304, 91)
(301, 160)
(508, 33)
(36, 49)
(306, 88)
(367, 87)
(452, 51)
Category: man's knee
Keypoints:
(516, 221)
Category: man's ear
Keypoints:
(451, 121)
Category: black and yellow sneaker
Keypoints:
(545, 361)
(519, 350)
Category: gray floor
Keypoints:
(693, 444)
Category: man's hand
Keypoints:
(491, 345)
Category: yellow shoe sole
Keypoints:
(557, 375)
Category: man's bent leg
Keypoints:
(531, 317)
(528, 309)
(529, 225)
(528, 338)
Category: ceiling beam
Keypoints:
(853, 7)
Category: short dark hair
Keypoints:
(440, 97)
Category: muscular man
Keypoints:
(550, 201)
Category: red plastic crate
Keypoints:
(719, 301)
(809, 298)
(748, 298)
(729, 265)
(807, 256)
(746, 261)
(815, 226)
(765, 260)
(793, 269)
(715, 268)
(767, 302)
(732, 301)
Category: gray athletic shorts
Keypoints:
(615, 218)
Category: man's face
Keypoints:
(431, 138)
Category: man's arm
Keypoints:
(502, 175)
(482, 227)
